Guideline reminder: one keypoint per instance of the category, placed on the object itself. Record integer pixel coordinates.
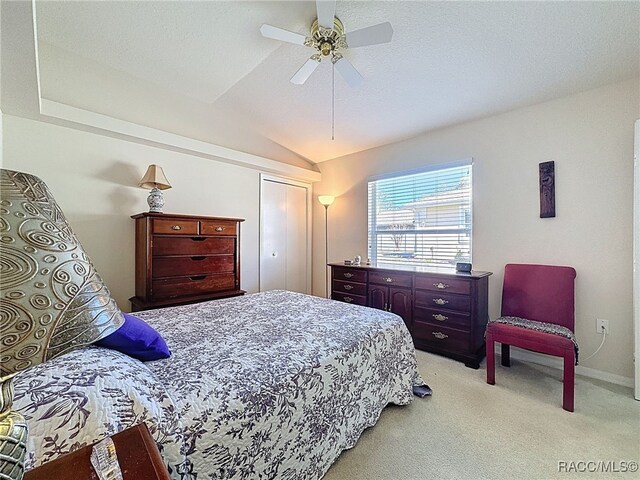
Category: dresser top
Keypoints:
(450, 271)
(183, 216)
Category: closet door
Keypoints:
(284, 236)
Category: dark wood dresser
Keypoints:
(446, 312)
(184, 259)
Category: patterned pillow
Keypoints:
(53, 300)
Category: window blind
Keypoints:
(421, 218)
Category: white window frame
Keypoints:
(373, 234)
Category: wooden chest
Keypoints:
(184, 259)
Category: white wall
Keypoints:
(590, 138)
(94, 178)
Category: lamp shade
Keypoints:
(154, 178)
(326, 200)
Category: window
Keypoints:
(422, 217)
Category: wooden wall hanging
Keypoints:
(547, 190)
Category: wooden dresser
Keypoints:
(184, 259)
(446, 312)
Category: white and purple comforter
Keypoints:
(270, 385)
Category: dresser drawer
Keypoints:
(441, 337)
(348, 298)
(194, 265)
(193, 245)
(439, 300)
(443, 284)
(177, 286)
(349, 274)
(351, 288)
(175, 227)
(391, 278)
(445, 318)
(217, 227)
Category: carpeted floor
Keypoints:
(514, 429)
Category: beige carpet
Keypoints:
(514, 429)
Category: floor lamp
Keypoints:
(326, 200)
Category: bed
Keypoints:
(269, 385)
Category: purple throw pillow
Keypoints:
(137, 339)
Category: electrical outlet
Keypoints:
(602, 324)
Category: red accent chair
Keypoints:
(542, 293)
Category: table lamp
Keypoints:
(155, 179)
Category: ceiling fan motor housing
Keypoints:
(325, 40)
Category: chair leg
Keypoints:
(491, 360)
(506, 355)
(568, 382)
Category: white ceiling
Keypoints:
(202, 69)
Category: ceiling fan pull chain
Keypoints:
(333, 100)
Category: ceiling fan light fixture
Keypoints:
(326, 48)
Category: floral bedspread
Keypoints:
(269, 385)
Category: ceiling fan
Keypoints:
(327, 36)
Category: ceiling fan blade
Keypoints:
(278, 33)
(349, 72)
(373, 35)
(326, 11)
(305, 71)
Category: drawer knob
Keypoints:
(440, 335)
(440, 301)
(441, 285)
(440, 317)
(219, 229)
(388, 279)
(348, 275)
(348, 287)
(176, 227)
(347, 299)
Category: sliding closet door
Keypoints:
(284, 235)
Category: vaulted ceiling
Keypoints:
(202, 69)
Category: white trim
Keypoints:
(636, 258)
(123, 127)
(427, 168)
(287, 181)
(36, 52)
(556, 362)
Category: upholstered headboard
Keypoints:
(52, 300)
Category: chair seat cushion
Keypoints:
(547, 334)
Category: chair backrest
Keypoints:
(545, 293)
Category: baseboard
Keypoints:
(556, 362)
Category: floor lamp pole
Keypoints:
(326, 250)
(326, 200)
